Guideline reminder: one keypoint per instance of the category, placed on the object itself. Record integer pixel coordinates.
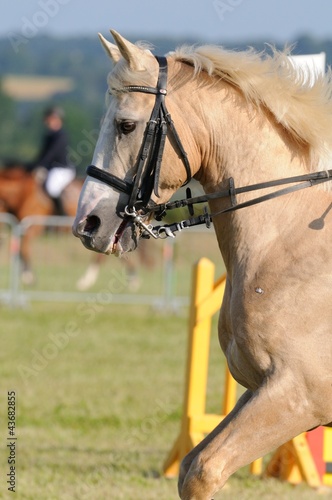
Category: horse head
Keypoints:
(139, 156)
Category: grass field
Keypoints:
(99, 388)
(99, 399)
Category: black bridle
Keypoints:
(148, 165)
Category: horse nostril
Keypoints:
(88, 226)
(92, 224)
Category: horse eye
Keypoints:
(126, 127)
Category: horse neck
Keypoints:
(238, 140)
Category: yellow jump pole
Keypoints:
(196, 369)
(205, 302)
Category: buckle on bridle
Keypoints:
(137, 219)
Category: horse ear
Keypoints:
(137, 58)
(111, 49)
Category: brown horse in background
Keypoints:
(22, 195)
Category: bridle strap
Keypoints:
(183, 154)
(109, 179)
(311, 179)
(146, 168)
(148, 164)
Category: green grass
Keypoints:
(99, 388)
(99, 399)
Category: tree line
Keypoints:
(83, 60)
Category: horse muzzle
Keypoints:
(97, 237)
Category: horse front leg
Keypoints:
(261, 422)
(189, 458)
(27, 274)
(91, 274)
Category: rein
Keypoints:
(301, 182)
(148, 167)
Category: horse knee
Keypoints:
(200, 481)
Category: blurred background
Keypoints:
(50, 53)
(97, 366)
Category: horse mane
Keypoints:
(267, 80)
(272, 81)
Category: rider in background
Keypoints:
(51, 166)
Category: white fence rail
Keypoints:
(158, 273)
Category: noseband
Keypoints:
(148, 164)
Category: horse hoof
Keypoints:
(28, 278)
(134, 283)
(89, 278)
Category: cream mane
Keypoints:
(303, 109)
(271, 81)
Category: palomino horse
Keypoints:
(238, 119)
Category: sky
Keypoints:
(274, 21)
